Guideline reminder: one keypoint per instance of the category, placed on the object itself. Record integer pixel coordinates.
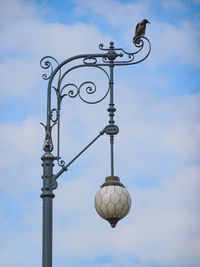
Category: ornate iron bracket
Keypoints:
(58, 80)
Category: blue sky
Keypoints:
(156, 152)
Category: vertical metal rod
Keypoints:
(112, 154)
(58, 133)
(48, 106)
(47, 232)
(111, 121)
(47, 209)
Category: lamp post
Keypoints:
(112, 201)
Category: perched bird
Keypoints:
(140, 30)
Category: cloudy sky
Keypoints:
(156, 152)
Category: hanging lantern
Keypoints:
(112, 201)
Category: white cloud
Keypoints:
(19, 77)
(28, 33)
(176, 4)
(175, 43)
(114, 11)
(171, 208)
(29, 36)
(171, 220)
(26, 39)
(169, 42)
(167, 237)
(20, 155)
(162, 227)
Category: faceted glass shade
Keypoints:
(112, 203)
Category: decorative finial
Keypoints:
(111, 45)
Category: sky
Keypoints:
(156, 151)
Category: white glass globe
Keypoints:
(112, 201)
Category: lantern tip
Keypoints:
(113, 221)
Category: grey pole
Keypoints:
(47, 208)
(111, 111)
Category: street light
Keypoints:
(112, 201)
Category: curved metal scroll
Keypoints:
(58, 82)
(89, 87)
(131, 56)
(48, 62)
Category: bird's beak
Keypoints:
(149, 22)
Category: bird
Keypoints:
(140, 30)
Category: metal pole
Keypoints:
(47, 197)
(111, 121)
(111, 111)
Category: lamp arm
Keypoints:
(64, 168)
